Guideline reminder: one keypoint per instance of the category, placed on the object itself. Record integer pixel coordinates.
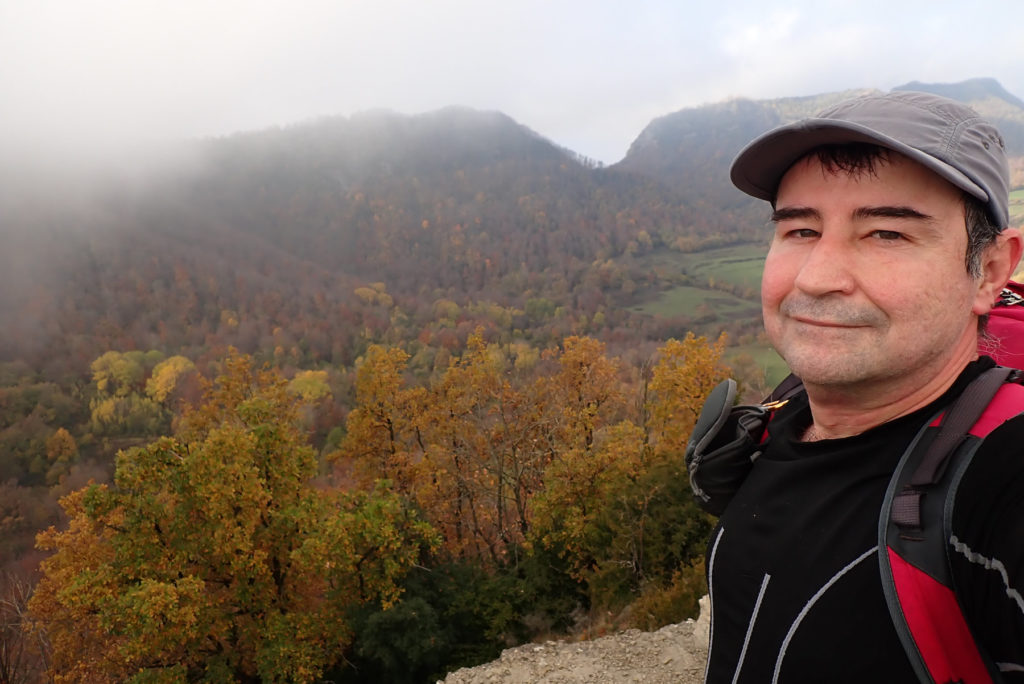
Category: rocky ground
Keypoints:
(675, 654)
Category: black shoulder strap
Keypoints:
(913, 541)
(929, 469)
(786, 389)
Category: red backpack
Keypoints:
(915, 530)
(1005, 331)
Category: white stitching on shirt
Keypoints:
(989, 564)
(810, 604)
(711, 598)
(750, 627)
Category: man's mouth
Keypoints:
(826, 324)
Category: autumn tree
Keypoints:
(483, 455)
(455, 478)
(120, 405)
(61, 454)
(616, 500)
(661, 510)
(432, 443)
(118, 374)
(559, 459)
(381, 427)
(166, 377)
(311, 385)
(685, 373)
(470, 449)
(30, 413)
(22, 653)
(581, 486)
(595, 450)
(211, 558)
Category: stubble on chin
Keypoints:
(827, 366)
(828, 355)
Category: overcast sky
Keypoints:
(589, 75)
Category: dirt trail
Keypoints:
(675, 653)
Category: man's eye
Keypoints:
(802, 233)
(887, 235)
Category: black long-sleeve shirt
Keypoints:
(793, 565)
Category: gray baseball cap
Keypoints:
(943, 135)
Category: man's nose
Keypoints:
(826, 269)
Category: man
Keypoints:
(890, 247)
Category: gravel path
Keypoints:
(673, 654)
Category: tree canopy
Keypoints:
(212, 558)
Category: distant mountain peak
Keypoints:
(971, 90)
(690, 150)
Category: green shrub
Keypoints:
(665, 604)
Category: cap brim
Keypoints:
(760, 166)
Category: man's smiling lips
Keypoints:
(825, 324)
(829, 314)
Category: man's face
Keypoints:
(865, 281)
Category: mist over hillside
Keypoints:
(282, 225)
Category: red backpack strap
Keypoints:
(915, 527)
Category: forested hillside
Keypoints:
(427, 376)
(453, 205)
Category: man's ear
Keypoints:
(999, 261)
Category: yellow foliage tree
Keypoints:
(381, 427)
(579, 488)
(614, 499)
(593, 449)
(681, 380)
(470, 450)
(165, 377)
(119, 374)
(61, 453)
(481, 461)
(311, 385)
(212, 558)
(586, 390)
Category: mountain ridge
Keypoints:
(457, 203)
(973, 90)
(691, 149)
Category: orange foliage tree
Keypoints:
(462, 449)
(499, 462)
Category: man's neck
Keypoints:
(850, 410)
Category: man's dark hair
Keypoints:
(858, 158)
(981, 232)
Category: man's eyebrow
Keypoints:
(897, 212)
(790, 213)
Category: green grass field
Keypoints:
(689, 301)
(739, 265)
(1017, 207)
